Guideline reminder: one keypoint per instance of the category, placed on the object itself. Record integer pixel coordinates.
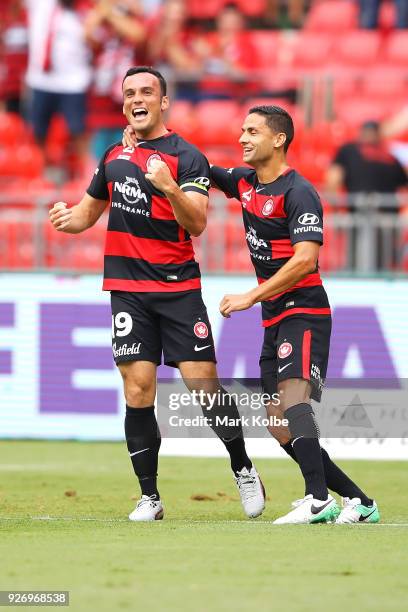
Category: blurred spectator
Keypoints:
(150, 6)
(14, 52)
(115, 29)
(369, 11)
(171, 45)
(291, 16)
(229, 57)
(366, 165)
(59, 72)
(366, 168)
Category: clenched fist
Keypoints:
(60, 216)
(158, 173)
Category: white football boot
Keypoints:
(251, 491)
(147, 509)
(310, 510)
(355, 512)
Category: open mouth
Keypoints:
(139, 113)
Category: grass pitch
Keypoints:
(63, 509)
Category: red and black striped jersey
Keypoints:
(276, 216)
(146, 249)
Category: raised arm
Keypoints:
(78, 218)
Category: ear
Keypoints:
(165, 103)
(280, 140)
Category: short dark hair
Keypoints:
(278, 120)
(149, 70)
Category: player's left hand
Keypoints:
(233, 303)
(129, 137)
(158, 173)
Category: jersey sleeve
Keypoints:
(226, 179)
(98, 187)
(304, 214)
(194, 172)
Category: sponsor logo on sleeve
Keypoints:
(309, 223)
(308, 219)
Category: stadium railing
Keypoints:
(363, 234)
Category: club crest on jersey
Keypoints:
(268, 208)
(130, 190)
(284, 350)
(201, 330)
(152, 158)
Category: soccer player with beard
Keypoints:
(157, 189)
(283, 221)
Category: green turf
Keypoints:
(205, 555)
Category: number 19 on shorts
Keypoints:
(122, 324)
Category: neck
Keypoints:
(155, 132)
(270, 170)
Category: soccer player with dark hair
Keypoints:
(283, 221)
(157, 190)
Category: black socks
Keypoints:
(224, 420)
(306, 448)
(336, 479)
(143, 443)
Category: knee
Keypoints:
(138, 392)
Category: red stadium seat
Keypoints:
(219, 121)
(385, 82)
(21, 161)
(224, 156)
(252, 8)
(334, 16)
(282, 102)
(266, 43)
(181, 119)
(205, 10)
(310, 49)
(396, 50)
(16, 244)
(13, 130)
(354, 111)
(360, 48)
(79, 252)
(209, 9)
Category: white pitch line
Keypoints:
(182, 521)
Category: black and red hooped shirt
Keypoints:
(276, 216)
(146, 249)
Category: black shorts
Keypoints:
(297, 347)
(145, 325)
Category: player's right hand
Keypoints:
(60, 216)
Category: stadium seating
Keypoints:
(266, 44)
(359, 48)
(210, 8)
(13, 130)
(336, 16)
(396, 49)
(182, 119)
(218, 121)
(310, 49)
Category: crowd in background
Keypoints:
(68, 57)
